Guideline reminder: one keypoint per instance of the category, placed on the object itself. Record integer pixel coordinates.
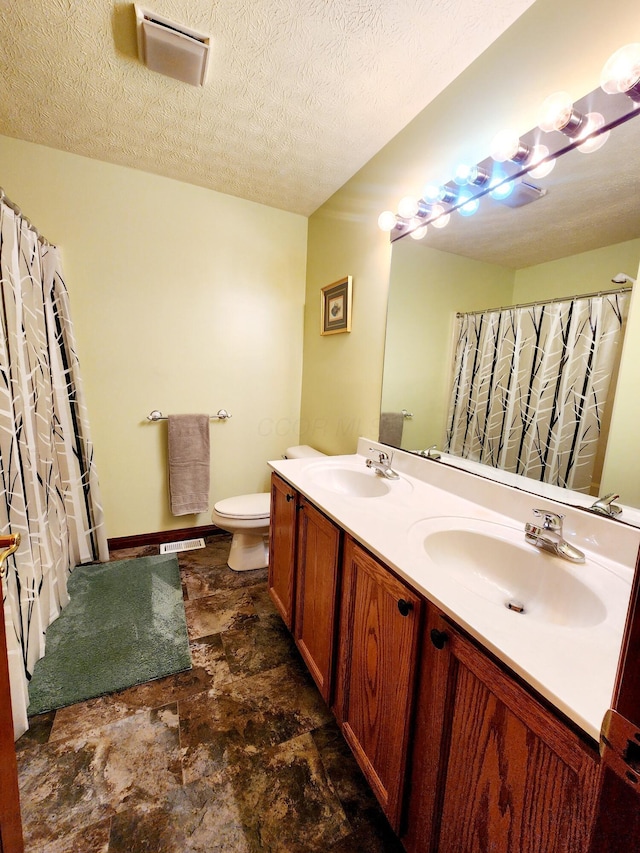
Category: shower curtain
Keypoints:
(530, 386)
(49, 488)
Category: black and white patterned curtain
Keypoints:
(48, 487)
(530, 386)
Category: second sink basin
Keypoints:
(490, 560)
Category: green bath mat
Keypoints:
(125, 624)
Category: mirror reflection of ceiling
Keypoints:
(592, 200)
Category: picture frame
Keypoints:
(336, 307)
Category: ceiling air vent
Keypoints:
(170, 48)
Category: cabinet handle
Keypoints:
(404, 607)
(438, 638)
(290, 497)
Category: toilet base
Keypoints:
(248, 552)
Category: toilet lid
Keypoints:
(245, 506)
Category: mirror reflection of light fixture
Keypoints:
(419, 233)
(513, 158)
(441, 218)
(469, 205)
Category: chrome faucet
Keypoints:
(430, 452)
(606, 506)
(549, 536)
(383, 464)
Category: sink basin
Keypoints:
(351, 481)
(355, 480)
(490, 560)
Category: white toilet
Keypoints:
(247, 517)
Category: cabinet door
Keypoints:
(316, 588)
(282, 547)
(514, 778)
(379, 629)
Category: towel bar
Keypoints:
(406, 414)
(221, 415)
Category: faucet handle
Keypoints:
(384, 457)
(550, 520)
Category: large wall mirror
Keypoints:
(572, 240)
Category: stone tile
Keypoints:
(222, 611)
(371, 830)
(90, 839)
(278, 800)
(210, 669)
(68, 786)
(258, 646)
(38, 732)
(201, 578)
(262, 601)
(246, 716)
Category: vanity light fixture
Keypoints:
(527, 156)
(507, 145)
(472, 175)
(388, 221)
(621, 72)
(408, 207)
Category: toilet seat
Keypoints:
(245, 506)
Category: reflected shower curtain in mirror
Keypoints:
(530, 386)
(49, 487)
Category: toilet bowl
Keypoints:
(247, 518)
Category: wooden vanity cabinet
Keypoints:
(492, 768)
(282, 548)
(317, 565)
(380, 620)
(304, 564)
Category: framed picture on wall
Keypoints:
(336, 307)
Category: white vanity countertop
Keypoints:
(573, 666)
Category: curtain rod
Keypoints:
(547, 301)
(13, 206)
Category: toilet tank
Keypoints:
(299, 451)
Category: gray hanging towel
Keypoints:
(189, 463)
(391, 424)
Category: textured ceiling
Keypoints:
(300, 93)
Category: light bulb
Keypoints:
(431, 192)
(462, 173)
(592, 143)
(557, 113)
(541, 169)
(408, 207)
(387, 220)
(506, 145)
(469, 207)
(419, 233)
(621, 72)
(442, 218)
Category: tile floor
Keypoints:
(238, 755)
